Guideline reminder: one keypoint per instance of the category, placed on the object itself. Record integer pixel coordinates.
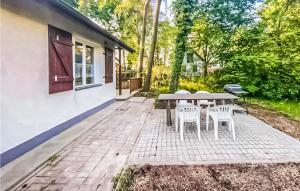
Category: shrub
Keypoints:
(161, 76)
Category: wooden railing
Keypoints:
(135, 84)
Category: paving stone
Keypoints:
(37, 186)
(254, 139)
(99, 154)
(137, 134)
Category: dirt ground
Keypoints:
(217, 177)
(277, 120)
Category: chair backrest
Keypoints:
(202, 92)
(182, 102)
(199, 102)
(182, 92)
(189, 112)
(224, 111)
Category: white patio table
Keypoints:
(209, 96)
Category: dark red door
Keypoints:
(60, 60)
(109, 65)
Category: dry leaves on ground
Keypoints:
(218, 177)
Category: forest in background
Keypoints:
(252, 42)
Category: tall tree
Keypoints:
(119, 17)
(166, 41)
(205, 40)
(183, 17)
(215, 27)
(153, 45)
(228, 16)
(265, 57)
(142, 44)
(129, 17)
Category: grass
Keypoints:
(123, 180)
(53, 158)
(289, 107)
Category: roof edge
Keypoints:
(64, 6)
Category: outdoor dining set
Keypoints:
(188, 110)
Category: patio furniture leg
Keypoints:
(176, 120)
(168, 107)
(245, 105)
(232, 129)
(181, 127)
(216, 129)
(207, 120)
(198, 128)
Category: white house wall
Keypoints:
(27, 109)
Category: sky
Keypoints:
(165, 9)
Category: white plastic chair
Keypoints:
(221, 113)
(205, 102)
(189, 113)
(180, 103)
(202, 92)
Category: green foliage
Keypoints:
(215, 81)
(206, 39)
(184, 20)
(129, 16)
(161, 78)
(123, 180)
(107, 11)
(118, 17)
(256, 47)
(215, 24)
(266, 58)
(288, 107)
(52, 159)
(72, 3)
(196, 84)
(191, 85)
(229, 15)
(251, 88)
(165, 42)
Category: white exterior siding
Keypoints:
(27, 108)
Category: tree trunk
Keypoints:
(179, 55)
(157, 56)
(142, 44)
(124, 62)
(153, 45)
(205, 66)
(183, 18)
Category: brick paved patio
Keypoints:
(135, 133)
(94, 158)
(256, 142)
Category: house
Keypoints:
(192, 64)
(57, 68)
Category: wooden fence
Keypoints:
(135, 84)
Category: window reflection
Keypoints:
(78, 63)
(89, 65)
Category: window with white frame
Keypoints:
(84, 64)
(90, 77)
